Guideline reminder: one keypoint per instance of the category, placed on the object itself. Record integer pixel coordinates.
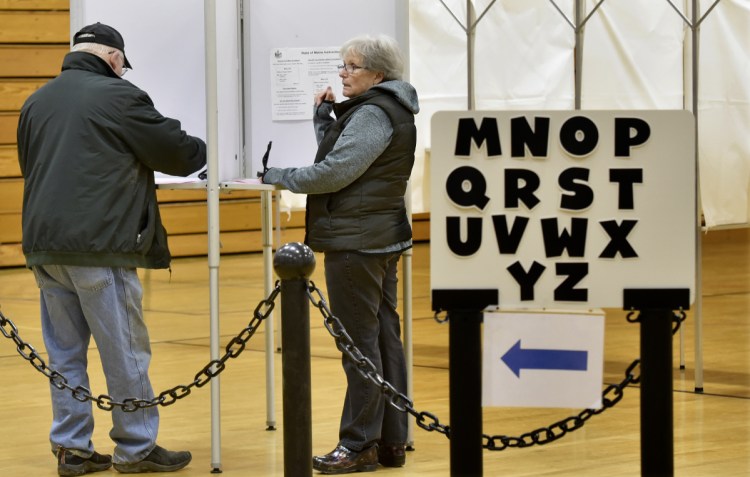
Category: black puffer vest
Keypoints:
(369, 213)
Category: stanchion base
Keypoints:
(216, 470)
(271, 428)
(699, 390)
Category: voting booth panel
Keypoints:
(165, 43)
(289, 58)
(284, 59)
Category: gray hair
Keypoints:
(379, 53)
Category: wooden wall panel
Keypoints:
(35, 5)
(193, 217)
(10, 227)
(189, 245)
(420, 227)
(11, 255)
(8, 126)
(13, 92)
(241, 239)
(187, 195)
(31, 61)
(11, 186)
(193, 244)
(11, 195)
(9, 162)
(34, 27)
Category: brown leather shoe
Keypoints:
(343, 461)
(391, 455)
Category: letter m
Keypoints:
(468, 132)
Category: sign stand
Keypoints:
(656, 318)
(465, 376)
(556, 209)
(465, 308)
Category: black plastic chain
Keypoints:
(440, 319)
(367, 369)
(677, 317)
(105, 402)
(428, 421)
(612, 395)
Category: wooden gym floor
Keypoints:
(711, 432)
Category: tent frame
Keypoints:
(578, 24)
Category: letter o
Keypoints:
(579, 144)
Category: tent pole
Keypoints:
(470, 33)
(578, 51)
(698, 312)
(212, 142)
(402, 36)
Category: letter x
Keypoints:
(618, 239)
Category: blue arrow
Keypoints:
(517, 358)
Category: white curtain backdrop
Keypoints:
(724, 113)
(636, 55)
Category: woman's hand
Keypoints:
(325, 95)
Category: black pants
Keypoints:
(363, 295)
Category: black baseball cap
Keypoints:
(104, 35)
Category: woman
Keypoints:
(356, 215)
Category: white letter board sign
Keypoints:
(538, 209)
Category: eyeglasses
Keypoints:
(350, 69)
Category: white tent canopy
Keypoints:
(636, 54)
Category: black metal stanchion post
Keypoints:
(657, 439)
(657, 319)
(465, 375)
(294, 263)
(465, 308)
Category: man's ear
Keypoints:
(114, 58)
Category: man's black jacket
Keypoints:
(88, 145)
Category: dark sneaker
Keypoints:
(159, 460)
(343, 461)
(70, 463)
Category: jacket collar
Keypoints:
(341, 108)
(81, 60)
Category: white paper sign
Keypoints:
(297, 74)
(543, 359)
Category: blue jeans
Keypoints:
(76, 304)
(363, 292)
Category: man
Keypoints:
(88, 145)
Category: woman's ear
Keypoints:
(379, 76)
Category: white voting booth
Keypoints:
(241, 74)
